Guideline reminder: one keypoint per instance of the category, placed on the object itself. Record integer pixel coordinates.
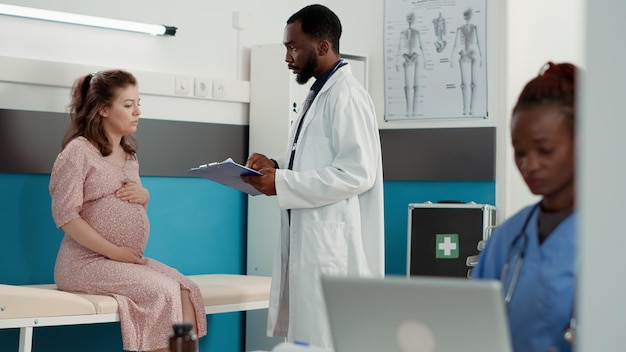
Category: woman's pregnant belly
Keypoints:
(120, 222)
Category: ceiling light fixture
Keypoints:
(65, 17)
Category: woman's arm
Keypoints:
(80, 231)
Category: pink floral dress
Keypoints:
(83, 184)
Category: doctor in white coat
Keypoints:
(329, 186)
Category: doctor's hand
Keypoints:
(258, 161)
(265, 184)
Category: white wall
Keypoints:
(363, 25)
(206, 42)
(538, 31)
(601, 191)
(205, 46)
(363, 32)
(522, 35)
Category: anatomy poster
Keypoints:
(435, 59)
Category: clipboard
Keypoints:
(228, 173)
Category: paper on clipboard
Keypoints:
(228, 173)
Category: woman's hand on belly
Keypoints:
(85, 235)
(126, 255)
(133, 193)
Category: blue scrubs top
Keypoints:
(542, 302)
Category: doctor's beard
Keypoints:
(307, 71)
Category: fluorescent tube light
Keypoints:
(65, 17)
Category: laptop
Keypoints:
(416, 314)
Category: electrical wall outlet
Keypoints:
(201, 87)
(183, 85)
(219, 89)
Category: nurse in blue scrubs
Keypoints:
(533, 253)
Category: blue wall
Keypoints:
(197, 226)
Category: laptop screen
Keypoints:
(417, 314)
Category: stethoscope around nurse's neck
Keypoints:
(520, 245)
(517, 251)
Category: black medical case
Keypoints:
(442, 236)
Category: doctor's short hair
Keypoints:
(555, 84)
(319, 22)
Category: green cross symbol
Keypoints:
(447, 246)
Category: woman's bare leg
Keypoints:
(189, 313)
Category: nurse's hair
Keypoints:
(319, 22)
(91, 93)
(555, 84)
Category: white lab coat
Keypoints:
(335, 193)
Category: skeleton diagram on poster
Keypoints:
(435, 62)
